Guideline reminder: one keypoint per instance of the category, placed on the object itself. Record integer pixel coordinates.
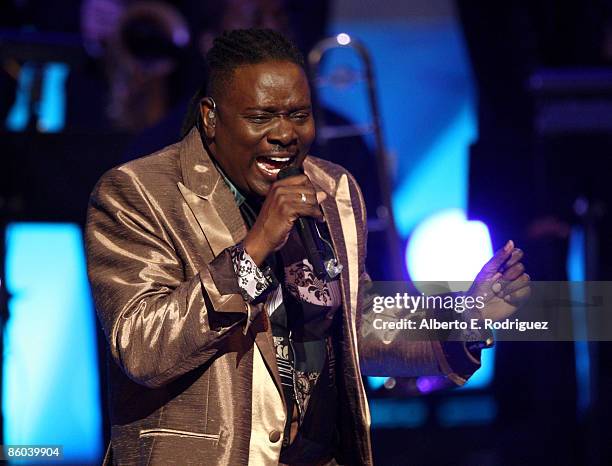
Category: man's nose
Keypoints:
(283, 132)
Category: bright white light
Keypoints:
(448, 247)
(343, 38)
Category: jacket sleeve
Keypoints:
(159, 323)
(391, 353)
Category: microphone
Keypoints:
(308, 232)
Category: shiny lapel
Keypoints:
(215, 210)
(330, 206)
(206, 194)
(340, 216)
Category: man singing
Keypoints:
(227, 348)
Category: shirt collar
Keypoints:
(238, 196)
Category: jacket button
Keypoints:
(275, 436)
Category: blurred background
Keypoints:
(491, 120)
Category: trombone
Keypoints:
(383, 221)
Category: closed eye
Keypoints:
(300, 116)
(265, 117)
(260, 117)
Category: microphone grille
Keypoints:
(291, 170)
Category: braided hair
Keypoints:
(234, 49)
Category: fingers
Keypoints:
(498, 259)
(519, 296)
(510, 280)
(516, 256)
(287, 200)
(520, 282)
(301, 203)
(293, 181)
(513, 272)
(295, 199)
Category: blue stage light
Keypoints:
(52, 105)
(473, 410)
(389, 413)
(376, 382)
(50, 389)
(483, 377)
(576, 272)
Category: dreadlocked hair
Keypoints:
(238, 48)
(246, 47)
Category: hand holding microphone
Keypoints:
(290, 198)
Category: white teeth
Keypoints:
(272, 171)
(280, 159)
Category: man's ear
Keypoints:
(208, 115)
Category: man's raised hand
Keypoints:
(502, 283)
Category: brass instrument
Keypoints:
(143, 51)
(383, 221)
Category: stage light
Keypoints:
(448, 247)
(473, 410)
(376, 382)
(483, 377)
(398, 413)
(576, 272)
(19, 114)
(52, 104)
(343, 38)
(428, 384)
(50, 391)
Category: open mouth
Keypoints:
(271, 165)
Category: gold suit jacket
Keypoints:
(192, 373)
